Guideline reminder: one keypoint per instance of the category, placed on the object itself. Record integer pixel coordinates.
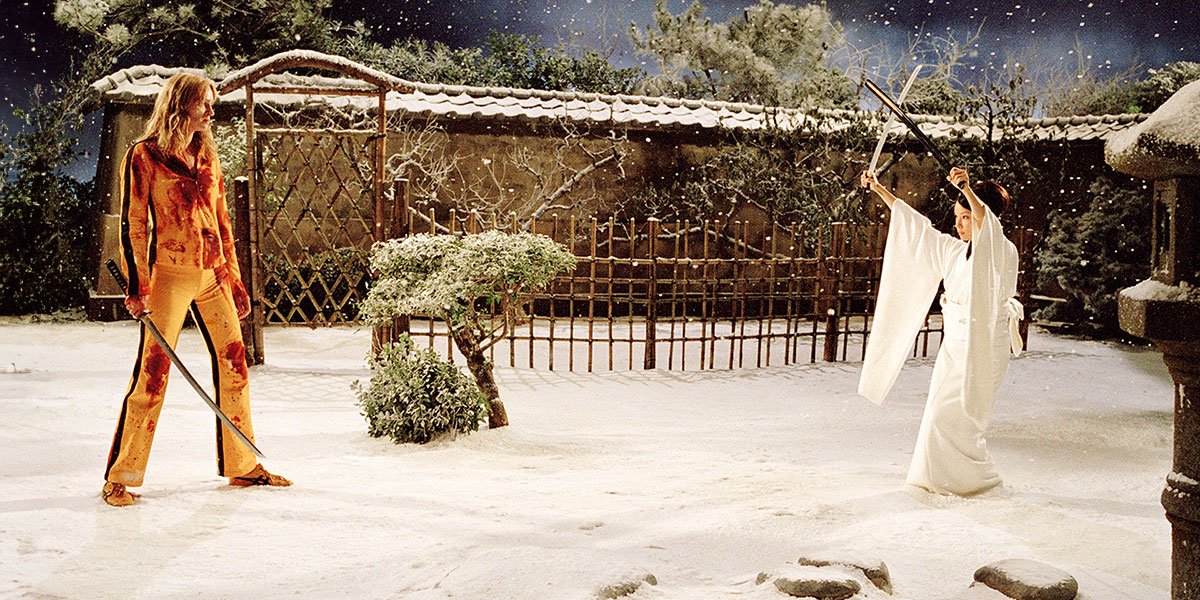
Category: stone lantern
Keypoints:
(1166, 308)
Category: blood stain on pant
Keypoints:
(157, 365)
(150, 425)
(235, 353)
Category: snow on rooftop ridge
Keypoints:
(1165, 145)
(136, 73)
(310, 58)
(141, 84)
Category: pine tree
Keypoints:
(775, 55)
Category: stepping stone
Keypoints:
(979, 591)
(872, 567)
(1023, 579)
(802, 581)
(626, 585)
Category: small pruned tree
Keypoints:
(454, 278)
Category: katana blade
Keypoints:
(892, 119)
(908, 122)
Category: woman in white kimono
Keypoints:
(980, 318)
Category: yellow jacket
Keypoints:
(172, 215)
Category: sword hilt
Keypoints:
(118, 275)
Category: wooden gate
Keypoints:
(316, 210)
(312, 205)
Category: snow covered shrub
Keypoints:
(1094, 253)
(414, 395)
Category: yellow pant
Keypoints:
(173, 290)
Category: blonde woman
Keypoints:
(177, 250)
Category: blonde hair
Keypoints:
(181, 92)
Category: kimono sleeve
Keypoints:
(914, 262)
(994, 264)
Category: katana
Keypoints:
(924, 139)
(892, 119)
(162, 342)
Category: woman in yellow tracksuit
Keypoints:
(177, 249)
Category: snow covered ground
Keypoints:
(703, 479)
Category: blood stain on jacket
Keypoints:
(211, 247)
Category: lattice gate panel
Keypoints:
(315, 217)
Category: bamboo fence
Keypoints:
(679, 295)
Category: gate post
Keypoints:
(246, 255)
(256, 290)
(396, 226)
(650, 359)
(402, 223)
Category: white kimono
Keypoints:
(980, 319)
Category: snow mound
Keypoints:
(1151, 289)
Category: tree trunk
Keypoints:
(468, 344)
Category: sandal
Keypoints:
(115, 494)
(259, 476)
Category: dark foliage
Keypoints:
(46, 220)
(319, 283)
(1093, 253)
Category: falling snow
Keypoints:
(32, 47)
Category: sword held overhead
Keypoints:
(892, 119)
(908, 122)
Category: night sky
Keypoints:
(1115, 34)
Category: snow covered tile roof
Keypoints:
(137, 84)
(291, 59)
(140, 84)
